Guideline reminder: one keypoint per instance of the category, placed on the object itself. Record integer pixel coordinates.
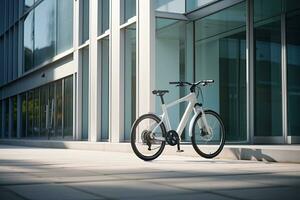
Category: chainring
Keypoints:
(172, 138)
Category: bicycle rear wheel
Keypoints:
(208, 143)
(142, 142)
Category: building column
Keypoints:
(77, 120)
(146, 64)
(116, 116)
(95, 95)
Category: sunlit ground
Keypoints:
(36, 173)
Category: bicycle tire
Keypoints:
(222, 141)
(133, 137)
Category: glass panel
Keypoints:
(220, 52)
(30, 107)
(14, 117)
(267, 71)
(1, 125)
(28, 42)
(105, 88)
(44, 31)
(173, 6)
(263, 10)
(129, 79)
(6, 118)
(292, 4)
(103, 16)
(68, 106)
(44, 106)
(36, 117)
(28, 4)
(174, 56)
(84, 21)
(194, 4)
(64, 25)
(51, 108)
(293, 72)
(129, 9)
(58, 109)
(24, 112)
(85, 92)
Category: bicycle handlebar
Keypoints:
(193, 85)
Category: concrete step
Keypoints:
(268, 153)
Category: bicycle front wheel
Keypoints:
(208, 141)
(143, 133)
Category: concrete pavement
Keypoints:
(40, 173)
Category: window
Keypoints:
(267, 69)
(58, 109)
(68, 106)
(293, 72)
(84, 15)
(220, 54)
(14, 117)
(44, 31)
(129, 79)
(64, 25)
(194, 4)
(28, 4)
(1, 125)
(28, 42)
(85, 92)
(6, 119)
(129, 9)
(173, 6)
(104, 88)
(24, 115)
(103, 16)
(174, 57)
(48, 31)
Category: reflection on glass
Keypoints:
(263, 10)
(84, 20)
(194, 4)
(58, 109)
(51, 107)
(268, 109)
(293, 72)
(28, 42)
(44, 110)
(129, 9)
(1, 125)
(173, 6)
(174, 58)
(23, 115)
(44, 31)
(104, 88)
(68, 106)
(6, 111)
(30, 96)
(85, 92)
(64, 25)
(14, 113)
(129, 79)
(28, 4)
(103, 16)
(221, 55)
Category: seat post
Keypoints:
(162, 99)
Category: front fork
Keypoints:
(203, 122)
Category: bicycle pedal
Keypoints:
(180, 151)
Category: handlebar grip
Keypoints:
(176, 82)
(209, 81)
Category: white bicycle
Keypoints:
(150, 132)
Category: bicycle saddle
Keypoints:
(160, 92)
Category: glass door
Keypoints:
(267, 72)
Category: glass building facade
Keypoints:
(84, 70)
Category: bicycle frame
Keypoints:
(192, 101)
